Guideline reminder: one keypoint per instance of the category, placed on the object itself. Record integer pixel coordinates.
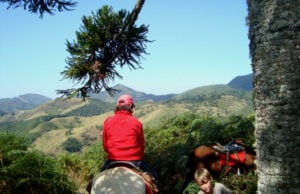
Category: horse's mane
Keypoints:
(250, 150)
(189, 170)
(189, 160)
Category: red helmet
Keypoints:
(125, 99)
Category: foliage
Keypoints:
(95, 156)
(208, 130)
(237, 183)
(23, 171)
(167, 148)
(82, 167)
(169, 145)
(41, 6)
(72, 145)
(106, 39)
(242, 184)
(192, 188)
(23, 126)
(10, 147)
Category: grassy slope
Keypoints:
(218, 102)
(51, 141)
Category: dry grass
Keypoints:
(51, 141)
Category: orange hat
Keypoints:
(125, 99)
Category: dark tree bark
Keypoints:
(274, 27)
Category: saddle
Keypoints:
(123, 164)
(231, 154)
(231, 147)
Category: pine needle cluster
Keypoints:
(106, 40)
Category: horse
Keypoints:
(221, 160)
(123, 178)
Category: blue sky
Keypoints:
(196, 43)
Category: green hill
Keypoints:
(49, 125)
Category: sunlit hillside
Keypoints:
(86, 129)
(50, 125)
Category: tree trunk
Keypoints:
(274, 27)
(136, 10)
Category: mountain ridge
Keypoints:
(22, 102)
(242, 82)
(50, 124)
(30, 101)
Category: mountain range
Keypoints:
(51, 122)
(30, 101)
(23, 102)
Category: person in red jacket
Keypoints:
(123, 137)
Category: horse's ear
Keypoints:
(239, 141)
(89, 187)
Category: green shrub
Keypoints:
(168, 147)
(29, 171)
(72, 145)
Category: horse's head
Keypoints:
(250, 161)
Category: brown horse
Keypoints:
(220, 160)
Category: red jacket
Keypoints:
(123, 137)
